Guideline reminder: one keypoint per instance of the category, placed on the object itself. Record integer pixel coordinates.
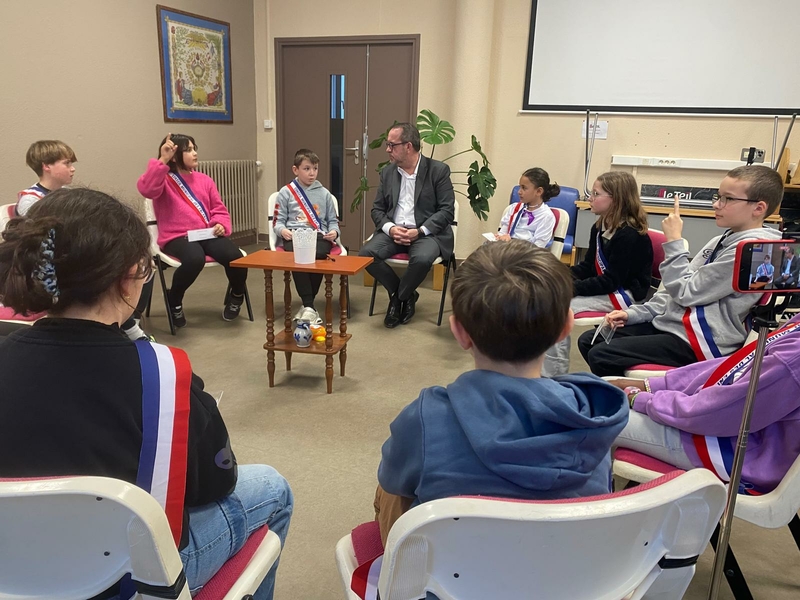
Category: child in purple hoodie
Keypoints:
(682, 420)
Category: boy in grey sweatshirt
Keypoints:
(305, 204)
(697, 316)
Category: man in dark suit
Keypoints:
(790, 270)
(413, 211)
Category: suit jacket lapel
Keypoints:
(421, 171)
(395, 188)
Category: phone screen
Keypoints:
(772, 265)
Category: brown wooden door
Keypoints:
(333, 96)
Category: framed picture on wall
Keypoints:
(195, 57)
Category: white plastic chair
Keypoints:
(559, 231)
(632, 544)
(7, 212)
(401, 260)
(165, 260)
(74, 537)
(776, 509)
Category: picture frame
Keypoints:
(195, 57)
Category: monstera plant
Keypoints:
(480, 183)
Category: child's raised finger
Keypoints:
(677, 207)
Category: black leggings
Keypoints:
(193, 258)
(307, 284)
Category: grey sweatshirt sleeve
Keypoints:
(685, 282)
(284, 197)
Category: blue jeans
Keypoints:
(218, 530)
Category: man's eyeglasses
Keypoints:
(722, 201)
(391, 145)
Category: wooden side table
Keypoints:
(283, 341)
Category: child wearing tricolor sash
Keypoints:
(696, 316)
(530, 219)
(691, 417)
(305, 204)
(502, 429)
(79, 398)
(183, 200)
(54, 162)
(617, 268)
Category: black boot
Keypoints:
(392, 318)
(409, 307)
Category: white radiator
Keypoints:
(237, 182)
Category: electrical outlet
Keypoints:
(759, 155)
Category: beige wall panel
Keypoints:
(87, 72)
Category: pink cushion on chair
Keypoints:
(401, 256)
(650, 367)
(223, 581)
(642, 460)
(367, 541)
(589, 314)
(8, 314)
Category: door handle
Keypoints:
(356, 150)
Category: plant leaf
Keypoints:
(434, 130)
(381, 139)
(358, 197)
(481, 187)
(476, 145)
(380, 166)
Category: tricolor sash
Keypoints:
(699, 333)
(716, 453)
(35, 190)
(187, 194)
(619, 299)
(516, 214)
(166, 383)
(166, 388)
(365, 579)
(305, 204)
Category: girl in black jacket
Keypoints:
(617, 268)
(79, 398)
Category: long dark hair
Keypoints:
(72, 247)
(540, 178)
(181, 140)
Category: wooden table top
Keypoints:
(284, 261)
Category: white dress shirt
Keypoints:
(404, 213)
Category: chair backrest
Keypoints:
(272, 203)
(657, 238)
(74, 537)
(565, 201)
(631, 542)
(559, 231)
(7, 212)
(456, 212)
(152, 226)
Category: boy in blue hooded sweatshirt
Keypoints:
(502, 429)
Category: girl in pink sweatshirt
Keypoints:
(183, 200)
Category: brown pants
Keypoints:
(388, 509)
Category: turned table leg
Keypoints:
(270, 345)
(328, 333)
(287, 313)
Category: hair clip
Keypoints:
(45, 271)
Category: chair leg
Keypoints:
(372, 300)
(732, 572)
(247, 302)
(444, 288)
(794, 527)
(160, 268)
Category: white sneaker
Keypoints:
(309, 315)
